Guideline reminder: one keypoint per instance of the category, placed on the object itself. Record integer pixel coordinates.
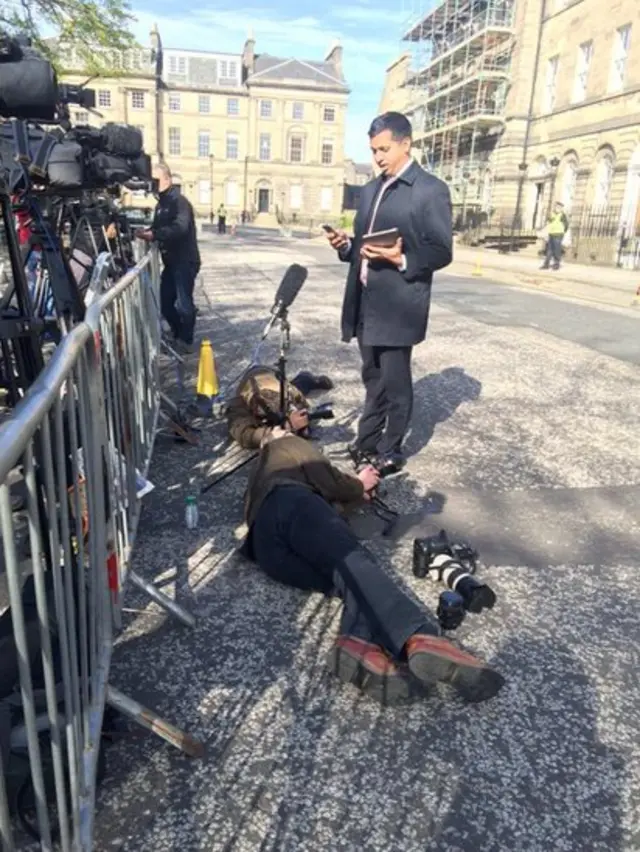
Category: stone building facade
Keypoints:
(518, 104)
(252, 131)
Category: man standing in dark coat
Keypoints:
(388, 293)
(174, 229)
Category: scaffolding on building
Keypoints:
(457, 87)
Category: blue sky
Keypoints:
(369, 33)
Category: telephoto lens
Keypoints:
(451, 610)
(477, 596)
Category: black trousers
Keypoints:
(176, 300)
(554, 251)
(222, 224)
(299, 540)
(386, 375)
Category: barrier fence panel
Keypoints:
(76, 438)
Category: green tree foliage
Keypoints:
(92, 27)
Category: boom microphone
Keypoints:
(290, 286)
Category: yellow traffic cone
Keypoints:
(477, 272)
(207, 377)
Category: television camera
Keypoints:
(62, 226)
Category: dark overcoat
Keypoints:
(395, 304)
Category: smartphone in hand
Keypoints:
(329, 229)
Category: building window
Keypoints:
(585, 55)
(204, 104)
(174, 102)
(295, 197)
(178, 65)
(326, 156)
(204, 192)
(233, 106)
(137, 99)
(603, 181)
(298, 112)
(326, 198)
(82, 117)
(231, 193)
(104, 98)
(568, 186)
(203, 144)
(174, 141)
(619, 57)
(295, 149)
(228, 69)
(551, 82)
(232, 146)
(265, 146)
(266, 109)
(329, 113)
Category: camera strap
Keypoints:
(20, 142)
(39, 163)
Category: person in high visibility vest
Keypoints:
(557, 227)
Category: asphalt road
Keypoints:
(525, 441)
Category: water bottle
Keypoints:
(191, 513)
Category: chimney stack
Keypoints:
(335, 57)
(249, 55)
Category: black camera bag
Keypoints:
(142, 167)
(65, 169)
(89, 137)
(28, 86)
(124, 140)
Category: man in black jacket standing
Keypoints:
(388, 292)
(174, 230)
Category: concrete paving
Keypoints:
(525, 440)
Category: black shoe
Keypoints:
(390, 464)
(359, 456)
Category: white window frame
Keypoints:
(204, 143)
(264, 112)
(297, 114)
(137, 95)
(231, 198)
(232, 137)
(263, 137)
(551, 83)
(82, 117)
(178, 66)
(326, 201)
(329, 109)
(569, 184)
(236, 110)
(297, 137)
(204, 101)
(204, 192)
(619, 58)
(295, 196)
(604, 174)
(583, 66)
(104, 98)
(174, 142)
(329, 143)
(174, 102)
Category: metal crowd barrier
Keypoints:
(77, 439)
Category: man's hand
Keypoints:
(146, 234)
(370, 479)
(337, 239)
(391, 255)
(298, 420)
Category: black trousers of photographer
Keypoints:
(298, 539)
(176, 299)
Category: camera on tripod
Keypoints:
(454, 564)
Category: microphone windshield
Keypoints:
(291, 283)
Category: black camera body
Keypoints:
(453, 563)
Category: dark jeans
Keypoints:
(222, 225)
(386, 375)
(554, 251)
(299, 540)
(176, 300)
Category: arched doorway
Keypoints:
(630, 215)
(264, 196)
(568, 181)
(535, 209)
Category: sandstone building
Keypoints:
(255, 132)
(519, 102)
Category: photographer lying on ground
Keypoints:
(293, 508)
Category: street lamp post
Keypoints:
(211, 188)
(554, 162)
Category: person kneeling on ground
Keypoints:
(297, 534)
